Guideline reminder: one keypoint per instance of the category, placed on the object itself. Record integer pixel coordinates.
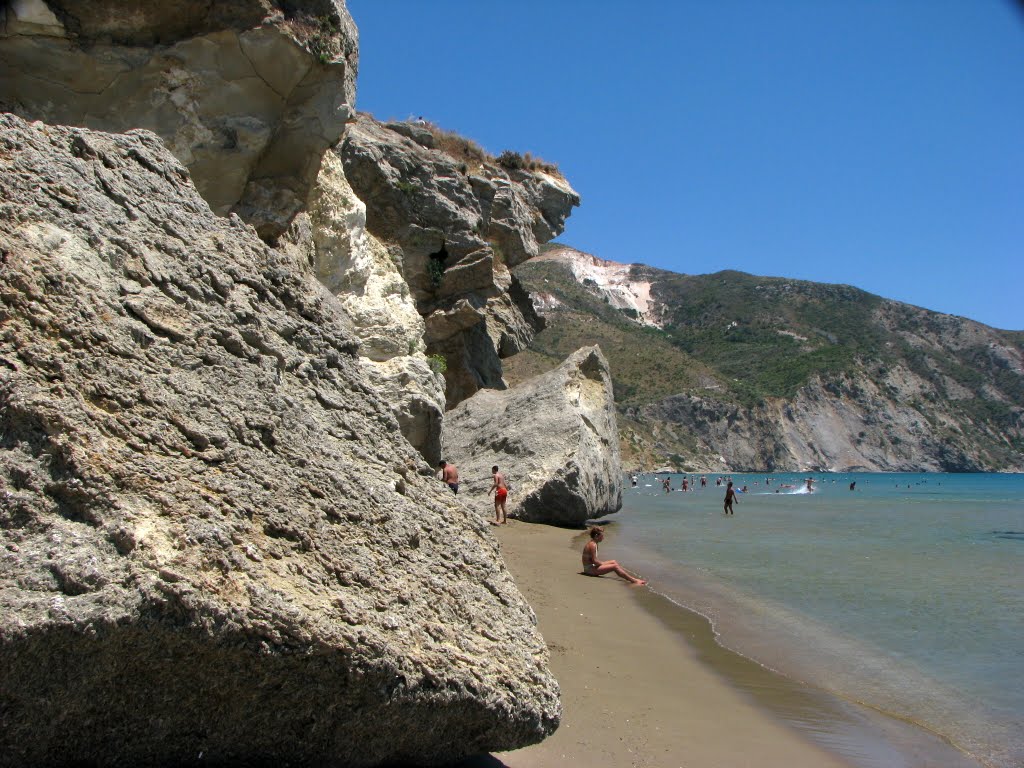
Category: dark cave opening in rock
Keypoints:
(436, 266)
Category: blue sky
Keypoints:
(877, 143)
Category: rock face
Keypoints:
(215, 543)
(456, 227)
(849, 423)
(358, 269)
(248, 94)
(553, 436)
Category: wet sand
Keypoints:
(634, 691)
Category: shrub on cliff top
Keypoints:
(465, 150)
(510, 160)
(473, 156)
(318, 32)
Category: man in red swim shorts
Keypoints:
(500, 494)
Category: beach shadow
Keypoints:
(476, 761)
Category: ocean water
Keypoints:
(901, 601)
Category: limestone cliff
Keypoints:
(250, 96)
(220, 371)
(216, 544)
(455, 225)
(247, 94)
(358, 269)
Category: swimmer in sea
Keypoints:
(594, 567)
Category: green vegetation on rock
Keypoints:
(732, 349)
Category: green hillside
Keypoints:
(750, 342)
(647, 364)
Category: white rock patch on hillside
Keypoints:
(612, 279)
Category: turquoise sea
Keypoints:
(900, 602)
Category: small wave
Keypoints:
(1011, 535)
(791, 491)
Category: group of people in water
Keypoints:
(691, 483)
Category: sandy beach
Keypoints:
(634, 693)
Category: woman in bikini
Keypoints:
(594, 567)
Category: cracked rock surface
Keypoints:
(213, 539)
(456, 230)
(247, 94)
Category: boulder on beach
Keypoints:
(554, 437)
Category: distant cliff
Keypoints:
(735, 371)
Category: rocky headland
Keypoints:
(235, 314)
(241, 323)
(215, 539)
(745, 373)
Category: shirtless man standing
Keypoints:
(450, 475)
(500, 494)
(730, 497)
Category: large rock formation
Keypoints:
(554, 437)
(215, 544)
(358, 269)
(456, 226)
(248, 94)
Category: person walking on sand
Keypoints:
(594, 567)
(450, 475)
(500, 489)
(730, 497)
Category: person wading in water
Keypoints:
(730, 497)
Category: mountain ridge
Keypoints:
(737, 371)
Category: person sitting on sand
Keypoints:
(594, 567)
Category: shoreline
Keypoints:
(833, 624)
(635, 691)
